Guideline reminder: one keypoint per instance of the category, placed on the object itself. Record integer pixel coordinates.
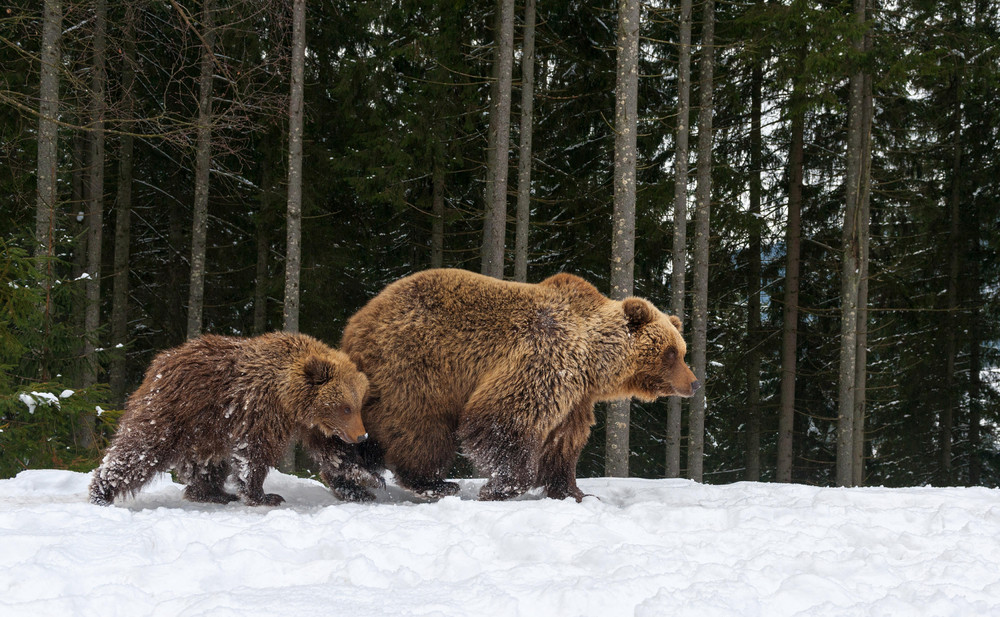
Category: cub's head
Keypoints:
(333, 393)
(658, 368)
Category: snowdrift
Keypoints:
(653, 548)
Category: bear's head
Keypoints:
(332, 394)
(658, 367)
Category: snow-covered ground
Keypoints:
(657, 548)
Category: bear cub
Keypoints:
(219, 407)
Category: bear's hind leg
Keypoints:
(130, 463)
(206, 481)
(421, 457)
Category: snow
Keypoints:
(638, 547)
(38, 398)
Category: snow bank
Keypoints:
(649, 548)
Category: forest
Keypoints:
(813, 186)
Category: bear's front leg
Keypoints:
(560, 452)
(250, 476)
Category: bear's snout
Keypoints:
(362, 438)
(695, 385)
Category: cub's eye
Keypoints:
(347, 410)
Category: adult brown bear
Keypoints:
(507, 371)
(218, 406)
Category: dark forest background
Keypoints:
(397, 109)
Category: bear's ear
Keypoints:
(317, 371)
(676, 321)
(638, 312)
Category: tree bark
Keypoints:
(790, 312)
(95, 191)
(293, 249)
(679, 258)
(294, 239)
(524, 156)
(861, 365)
(84, 431)
(623, 217)
(851, 267)
(497, 150)
(48, 154)
(119, 295)
(48, 136)
(752, 473)
(703, 202)
(203, 163)
(437, 216)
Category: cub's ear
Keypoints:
(638, 312)
(676, 321)
(317, 371)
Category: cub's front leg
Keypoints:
(249, 472)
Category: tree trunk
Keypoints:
(497, 154)
(861, 366)
(753, 282)
(119, 295)
(95, 191)
(294, 240)
(293, 250)
(703, 202)
(851, 267)
(203, 163)
(679, 261)
(437, 216)
(95, 217)
(790, 312)
(48, 113)
(524, 156)
(48, 154)
(623, 232)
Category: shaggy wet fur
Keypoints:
(220, 407)
(508, 372)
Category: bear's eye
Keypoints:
(347, 410)
(670, 356)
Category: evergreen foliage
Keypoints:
(395, 90)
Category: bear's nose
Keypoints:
(695, 385)
(363, 438)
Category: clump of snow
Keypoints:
(35, 399)
(647, 548)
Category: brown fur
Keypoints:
(219, 405)
(510, 371)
